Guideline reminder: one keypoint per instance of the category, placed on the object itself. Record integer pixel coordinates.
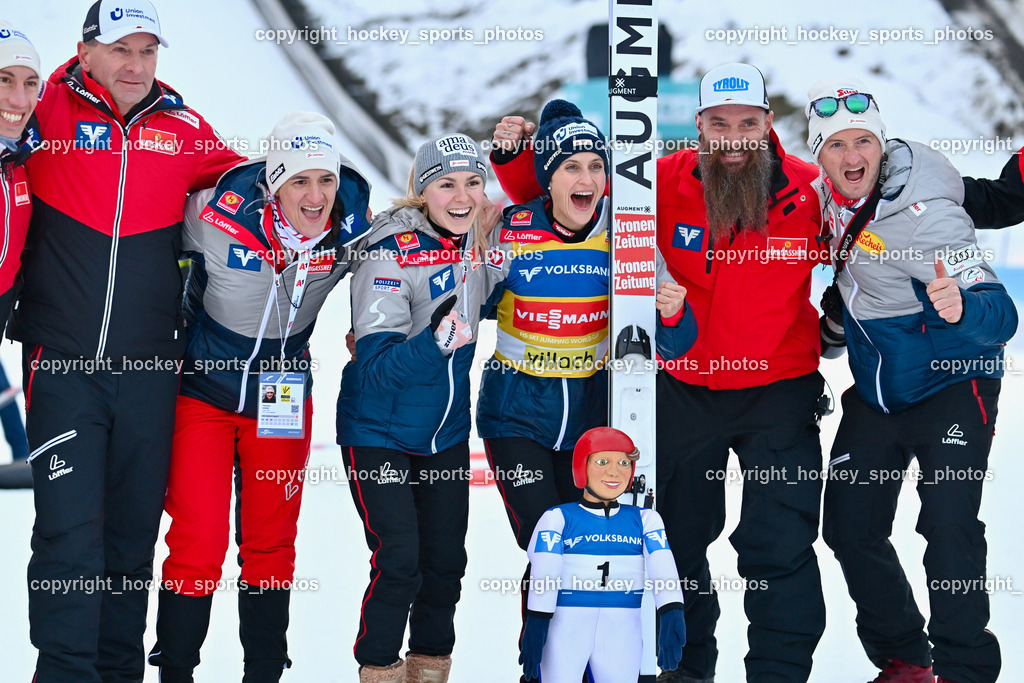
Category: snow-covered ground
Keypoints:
(243, 86)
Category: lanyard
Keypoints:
(298, 288)
(301, 276)
(864, 214)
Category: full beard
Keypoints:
(735, 196)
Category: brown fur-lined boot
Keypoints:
(426, 669)
(383, 674)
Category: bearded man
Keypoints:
(737, 222)
(737, 225)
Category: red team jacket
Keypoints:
(100, 275)
(16, 206)
(751, 298)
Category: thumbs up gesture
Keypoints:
(945, 295)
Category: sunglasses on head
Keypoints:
(856, 103)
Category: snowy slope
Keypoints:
(254, 86)
(433, 81)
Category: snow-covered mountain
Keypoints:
(462, 63)
(449, 65)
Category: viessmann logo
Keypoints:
(568, 318)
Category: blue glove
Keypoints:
(671, 639)
(534, 636)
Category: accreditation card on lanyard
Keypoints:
(281, 404)
(282, 395)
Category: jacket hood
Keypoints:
(914, 173)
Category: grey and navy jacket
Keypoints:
(239, 289)
(901, 350)
(546, 380)
(402, 392)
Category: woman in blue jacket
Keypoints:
(545, 385)
(403, 412)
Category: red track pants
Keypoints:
(199, 499)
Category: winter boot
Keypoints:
(901, 672)
(383, 674)
(262, 624)
(181, 625)
(426, 669)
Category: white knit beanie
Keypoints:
(301, 141)
(17, 50)
(821, 129)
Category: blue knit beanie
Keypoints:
(563, 132)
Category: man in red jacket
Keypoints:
(99, 315)
(737, 222)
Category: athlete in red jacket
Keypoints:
(99, 317)
(737, 222)
(19, 134)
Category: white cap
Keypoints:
(17, 50)
(821, 129)
(734, 83)
(301, 141)
(110, 20)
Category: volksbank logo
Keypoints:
(731, 84)
(441, 282)
(550, 539)
(568, 269)
(528, 274)
(657, 537)
(243, 258)
(92, 135)
(348, 223)
(689, 237)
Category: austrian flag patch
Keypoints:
(157, 140)
(20, 193)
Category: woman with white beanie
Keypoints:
(267, 244)
(403, 412)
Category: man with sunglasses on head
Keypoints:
(925, 319)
